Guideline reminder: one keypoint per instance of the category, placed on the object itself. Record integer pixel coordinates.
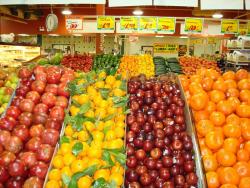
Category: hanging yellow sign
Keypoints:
(106, 23)
(243, 29)
(165, 48)
(229, 26)
(248, 27)
(148, 23)
(166, 24)
(129, 23)
(193, 25)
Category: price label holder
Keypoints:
(229, 26)
(106, 23)
(129, 23)
(194, 25)
(166, 24)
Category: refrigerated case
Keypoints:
(12, 55)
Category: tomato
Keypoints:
(25, 119)
(57, 113)
(38, 86)
(6, 158)
(14, 145)
(21, 132)
(16, 168)
(36, 130)
(4, 175)
(45, 153)
(62, 90)
(28, 158)
(24, 73)
(41, 108)
(33, 96)
(33, 144)
(62, 101)
(39, 169)
(49, 99)
(50, 136)
(26, 105)
(33, 182)
(13, 111)
(40, 118)
(52, 88)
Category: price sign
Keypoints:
(148, 23)
(74, 22)
(106, 23)
(166, 24)
(229, 26)
(129, 23)
(165, 48)
(243, 29)
(193, 25)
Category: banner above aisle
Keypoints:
(27, 2)
(179, 3)
(222, 4)
(126, 3)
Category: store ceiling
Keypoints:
(42, 10)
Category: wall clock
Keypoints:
(51, 22)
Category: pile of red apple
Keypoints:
(159, 150)
(30, 129)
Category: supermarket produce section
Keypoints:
(124, 121)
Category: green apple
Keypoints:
(5, 105)
(2, 110)
(8, 83)
(14, 79)
(6, 98)
(2, 90)
(13, 85)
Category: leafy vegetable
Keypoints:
(77, 148)
(64, 139)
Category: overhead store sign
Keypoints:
(193, 25)
(247, 4)
(229, 26)
(165, 48)
(16, 2)
(148, 23)
(106, 23)
(129, 23)
(166, 24)
(74, 22)
(243, 29)
(180, 3)
(126, 3)
(221, 4)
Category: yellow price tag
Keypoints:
(129, 23)
(193, 25)
(229, 26)
(106, 23)
(165, 48)
(166, 24)
(148, 23)
(243, 29)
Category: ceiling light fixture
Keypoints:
(66, 11)
(183, 37)
(159, 36)
(54, 35)
(23, 35)
(217, 15)
(138, 12)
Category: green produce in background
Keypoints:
(108, 62)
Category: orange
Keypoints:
(199, 101)
(225, 107)
(228, 185)
(210, 163)
(200, 115)
(241, 74)
(217, 96)
(232, 92)
(232, 130)
(247, 146)
(242, 168)
(243, 110)
(207, 83)
(243, 155)
(233, 119)
(204, 126)
(231, 144)
(244, 84)
(220, 85)
(202, 142)
(218, 118)
(210, 107)
(85, 182)
(225, 158)
(194, 88)
(245, 128)
(230, 84)
(102, 173)
(214, 140)
(229, 75)
(212, 179)
(205, 151)
(244, 182)
(245, 95)
(212, 74)
(196, 78)
(228, 175)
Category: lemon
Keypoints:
(110, 135)
(99, 84)
(107, 86)
(117, 83)
(117, 169)
(89, 126)
(84, 182)
(52, 184)
(77, 166)
(68, 159)
(117, 178)
(102, 173)
(67, 171)
(76, 98)
(85, 149)
(109, 123)
(58, 161)
(120, 124)
(104, 104)
(69, 130)
(65, 148)
(119, 132)
(74, 110)
(55, 174)
(110, 80)
(100, 113)
(118, 92)
(102, 75)
(83, 136)
(82, 99)
(111, 110)
(98, 135)
(94, 152)
(100, 126)
(90, 114)
(97, 144)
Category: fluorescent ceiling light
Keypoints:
(138, 12)
(183, 37)
(217, 15)
(159, 36)
(66, 12)
(23, 35)
(77, 35)
(54, 35)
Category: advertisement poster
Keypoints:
(229, 26)
(166, 24)
(129, 23)
(74, 22)
(162, 48)
(193, 25)
(148, 23)
(106, 23)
